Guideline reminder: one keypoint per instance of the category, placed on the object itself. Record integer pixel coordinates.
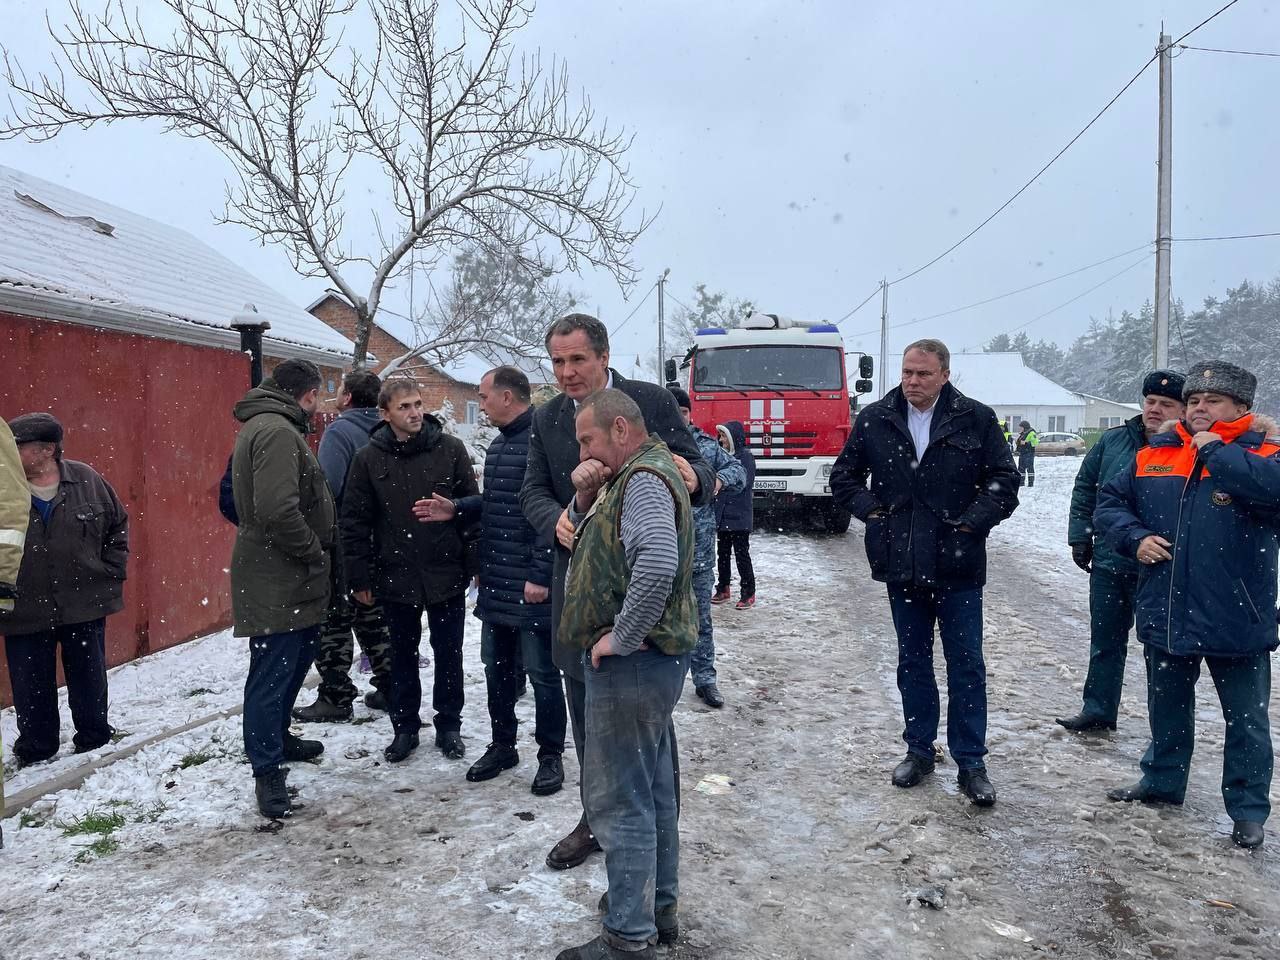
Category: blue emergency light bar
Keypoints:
(824, 328)
(710, 330)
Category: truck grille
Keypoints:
(788, 443)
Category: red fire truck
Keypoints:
(785, 381)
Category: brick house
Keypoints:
(455, 381)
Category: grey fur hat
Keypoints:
(1218, 376)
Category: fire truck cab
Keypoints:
(785, 381)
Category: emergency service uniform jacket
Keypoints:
(733, 479)
(1112, 454)
(965, 479)
(1220, 508)
(510, 550)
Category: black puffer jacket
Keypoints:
(932, 517)
(509, 550)
(386, 548)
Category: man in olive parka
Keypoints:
(280, 567)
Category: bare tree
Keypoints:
(472, 144)
(496, 306)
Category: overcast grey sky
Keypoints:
(799, 151)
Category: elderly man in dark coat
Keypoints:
(941, 477)
(71, 577)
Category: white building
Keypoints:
(1102, 414)
(1016, 392)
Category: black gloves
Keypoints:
(1082, 554)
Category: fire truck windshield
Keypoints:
(779, 368)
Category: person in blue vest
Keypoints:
(1113, 578)
(730, 479)
(1199, 510)
(515, 589)
(927, 470)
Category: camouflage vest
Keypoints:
(596, 584)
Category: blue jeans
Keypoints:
(1244, 691)
(33, 672)
(502, 649)
(630, 786)
(703, 661)
(446, 622)
(278, 663)
(958, 615)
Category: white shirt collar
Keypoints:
(608, 385)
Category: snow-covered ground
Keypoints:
(794, 844)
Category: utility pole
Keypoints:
(884, 328)
(662, 331)
(1164, 204)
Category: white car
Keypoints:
(1060, 444)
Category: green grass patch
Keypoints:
(99, 848)
(195, 758)
(362, 720)
(29, 820)
(95, 821)
(119, 735)
(199, 692)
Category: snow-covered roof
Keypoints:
(1002, 379)
(68, 256)
(1115, 403)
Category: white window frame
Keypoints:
(473, 412)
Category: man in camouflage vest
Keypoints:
(629, 606)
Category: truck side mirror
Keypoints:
(863, 386)
(671, 370)
(866, 367)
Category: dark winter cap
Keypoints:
(1163, 383)
(36, 428)
(1218, 376)
(682, 397)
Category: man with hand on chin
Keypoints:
(578, 345)
(1199, 509)
(631, 613)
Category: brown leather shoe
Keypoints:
(574, 848)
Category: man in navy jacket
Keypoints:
(940, 477)
(515, 589)
(1199, 509)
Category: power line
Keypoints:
(1137, 263)
(1039, 173)
(1240, 53)
(1002, 296)
(859, 306)
(1204, 21)
(678, 301)
(1239, 236)
(618, 329)
(1057, 155)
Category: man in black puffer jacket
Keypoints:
(515, 589)
(408, 567)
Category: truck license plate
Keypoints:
(771, 485)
